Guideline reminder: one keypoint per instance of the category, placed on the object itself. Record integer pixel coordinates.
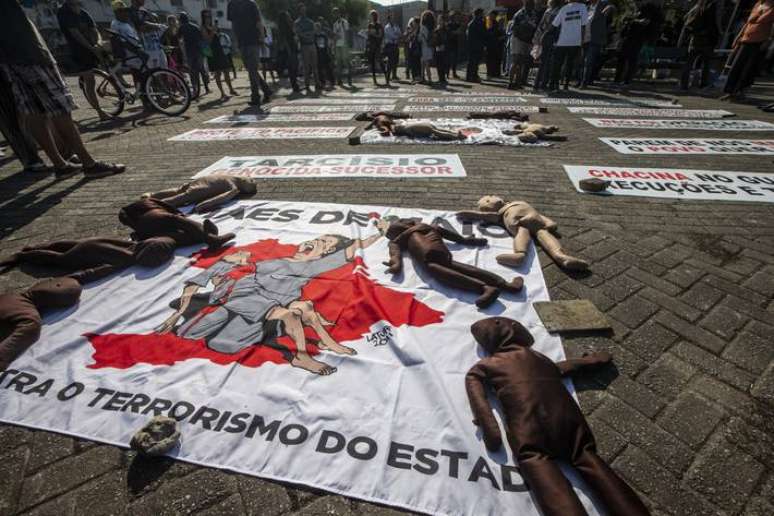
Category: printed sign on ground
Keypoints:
(229, 343)
(690, 146)
(466, 99)
(260, 133)
(609, 102)
(432, 108)
(477, 132)
(662, 113)
(269, 117)
(695, 124)
(351, 108)
(384, 166)
(322, 101)
(678, 183)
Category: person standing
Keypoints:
(42, 99)
(247, 24)
(523, 27)
(413, 50)
(191, 35)
(150, 33)
(392, 34)
(440, 45)
(341, 47)
(304, 28)
(476, 33)
(324, 65)
(703, 25)
(495, 38)
(374, 40)
(216, 60)
(543, 44)
(454, 29)
(287, 48)
(171, 40)
(636, 31)
(571, 20)
(600, 12)
(18, 138)
(747, 46)
(426, 28)
(228, 49)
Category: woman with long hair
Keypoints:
(216, 58)
(375, 36)
(440, 45)
(427, 26)
(287, 49)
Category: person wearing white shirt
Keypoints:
(392, 34)
(341, 47)
(571, 20)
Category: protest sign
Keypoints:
(609, 102)
(348, 107)
(323, 101)
(433, 108)
(678, 183)
(262, 133)
(662, 113)
(690, 146)
(269, 117)
(475, 132)
(466, 99)
(694, 124)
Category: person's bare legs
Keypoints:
(295, 330)
(231, 89)
(91, 94)
(220, 85)
(71, 138)
(520, 245)
(40, 129)
(309, 317)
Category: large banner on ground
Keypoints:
(262, 133)
(609, 102)
(348, 107)
(433, 108)
(291, 355)
(468, 132)
(690, 146)
(383, 166)
(678, 183)
(696, 124)
(269, 117)
(662, 113)
(322, 101)
(462, 99)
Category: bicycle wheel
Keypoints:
(110, 100)
(167, 92)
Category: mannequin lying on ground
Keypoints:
(544, 423)
(365, 116)
(499, 115)
(207, 192)
(152, 218)
(531, 133)
(95, 258)
(20, 314)
(425, 244)
(524, 223)
(387, 127)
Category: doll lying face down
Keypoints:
(531, 133)
(387, 127)
(152, 218)
(207, 193)
(543, 422)
(425, 244)
(499, 115)
(365, 116)
(20, 314)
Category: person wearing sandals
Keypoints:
(216, 60)
(42, 98)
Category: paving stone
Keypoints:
(228, 507)
(600, 250)
(332, 505)
(709, 474)
(369, 509)
(105, 496)
(713, 365)
(762, 282)
(691, 418)
(12, 436)
(667, 376)
(634, 311)
(672, 256)
(743, 266)
(609, 442)
(48, 447)
(637, 395)
(691, 332)
(723, 321)
(654, 281)
(684, 275)
(12, 465)
(672, 304)
(620, 287)
(145, 474)
(763, 389)
(750, 352)
(735, 289)
(187, 495)
(702, 296)
(758, 506)
(262, 497)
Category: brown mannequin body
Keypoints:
(499, 115)
(207, 193)
(152, 217)
(543, 422)
(524, 223)
(425, 244)
(20, 319)
(531, 133)
(387, 127)
(369, 117)
(95, 258)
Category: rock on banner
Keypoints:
(390, 422)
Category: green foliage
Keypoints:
(354, 10)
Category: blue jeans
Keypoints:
(593, 53)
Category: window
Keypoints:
(212, 4)
(220, 14)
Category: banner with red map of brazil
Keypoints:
(293, 355)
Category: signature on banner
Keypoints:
(381, 337)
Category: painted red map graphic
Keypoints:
(352, 301)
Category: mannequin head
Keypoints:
(246, 186)
(490, 203)
(494, 333)
(153, 252)
(55, 293)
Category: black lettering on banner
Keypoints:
(262, 214)
(134, 404)
(353, 217)
(288, 215)
(69, 392)
(398, 453)
(481, 469)
(427, 464)
(454, 461)
(158, 406)
(206, 415)
(713, 178)
(750, 190)
(188, 409)
(22, 380)
(494, 231)
(508, 485)
(237, 424)
(257, 424)
(430, 161)
(691, 188)
(322, 444)
(223, 420)
(100, 393)
(370, 452)
(634, 148)
(326, 217)
(5, 373)
(117, 401)
(440, 221)
(285, 438)
(42, 388)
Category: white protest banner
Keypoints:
(465, 99)
(285, 108)
(608, 102)
(229, 342)
(269, 117)
(694, 124)
(261, 133)
(322, 101)
(369, 94)
(383, 166)
(432, 108)
(678, 183)
(690, 146)
(475, 132)
(663, 113)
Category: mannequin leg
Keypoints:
(190, 196)
(445, 135)
(553, 248)
(487, 277)
(60, 246)
(614, 492)
(457, 279)
(520, 245)
(164, 194)
(548, 485)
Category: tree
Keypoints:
(355, 11)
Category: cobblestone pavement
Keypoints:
(686, 418)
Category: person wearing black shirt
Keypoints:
(454, 28)
(476, 40)
(247, 24)
(193, 41)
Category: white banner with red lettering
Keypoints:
(215, 340)
(690, 146)
(678, 183)
(694, 124)
(262, 133)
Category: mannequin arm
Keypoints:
(395, 263)
(484, 216)
(94, 273)
(453, 236)
(482, 410)
(590, 361)
(214, 202)
(24, 334)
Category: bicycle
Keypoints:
(162, 89)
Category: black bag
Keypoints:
(524, 31)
